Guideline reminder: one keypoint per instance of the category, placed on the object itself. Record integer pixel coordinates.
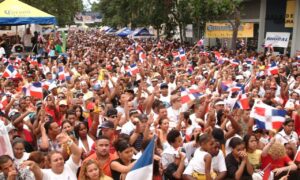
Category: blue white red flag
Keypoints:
(182, 54)
(267, 117)
(11, 72)
(143, 168)
(273, 69)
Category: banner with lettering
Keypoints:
(224, 30)
(277, 39)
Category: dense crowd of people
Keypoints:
(88, 112)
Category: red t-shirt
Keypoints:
(278, 163)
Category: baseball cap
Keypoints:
(133, 111)
(219, 103)
(62, 102)
(52, 86)
(87, 96)
(154, 79)
(111, 112)
(107, 124)
(164, 85)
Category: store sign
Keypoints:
(289, 14)
(277, 39)
(224, 30)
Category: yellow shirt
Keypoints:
(254, 158)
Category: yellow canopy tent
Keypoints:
(14, 12)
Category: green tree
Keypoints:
(63, 10)
(181, 12)
(200, 14)
(157, 14)
(231, 11)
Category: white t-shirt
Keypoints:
(173, 114)
(165, 99)
(69, 173)
(218, 163)
(197, 163)
(22, 159)
(283, 138)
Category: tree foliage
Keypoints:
(63, 10)
(178, 13)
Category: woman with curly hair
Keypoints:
(90, 171)
(274, 155)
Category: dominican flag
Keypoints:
(242, 102)
(250, 60)
(62, 74)
(188, 95)
(143, 168)
(142, 56)
(267, 117)
(46, 84)
(219, 58)
(36, 90)
(176, 55)
(226, 86)
(132, 69)
(11, 72)
(190, 69)
(4, 101)
(130, 48)
(32, 60)
(138, 48)
(235, 89)
(234, 62)
(18, 60)
(273, 69)
(182, 54)
(200, 42)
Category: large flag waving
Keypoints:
(143, 168)
(267, 117)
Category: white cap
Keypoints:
(87, 96)
(239, 77)
(220, 103)
(52, 86)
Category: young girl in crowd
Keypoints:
(163, 131)
(90, 171)
(274, 155)
(254, 154)
(238, 165)
(121, 166)
(18, 147)
(287, 134)
(200, 165)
